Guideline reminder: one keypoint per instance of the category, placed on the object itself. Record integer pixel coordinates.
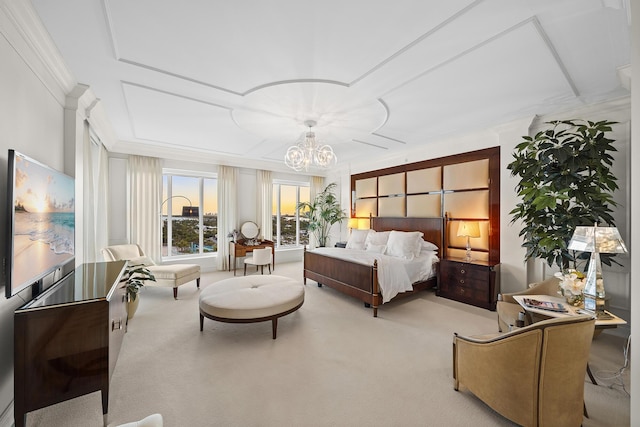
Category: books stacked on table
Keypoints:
(545, 305)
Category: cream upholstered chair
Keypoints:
(508, 308)
(260, 258)
(534, 376)
(169, 275)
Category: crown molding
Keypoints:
(32, 42)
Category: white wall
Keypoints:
(634, 195)
(31, 119)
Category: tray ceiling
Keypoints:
(237, 80)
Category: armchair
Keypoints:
(508, 308)
(170, 275)
(534, 376)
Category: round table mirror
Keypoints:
(249, 230)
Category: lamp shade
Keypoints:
(607, 240)
(353, 223)
(469, 229)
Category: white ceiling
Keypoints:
(232, 80)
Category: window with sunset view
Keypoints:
(189, 215)
(289, 228)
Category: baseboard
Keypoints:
(6, 418)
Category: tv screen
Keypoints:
(41, 218)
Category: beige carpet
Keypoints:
(333, 364)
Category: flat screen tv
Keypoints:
(41, 222)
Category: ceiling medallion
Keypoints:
(308, 152)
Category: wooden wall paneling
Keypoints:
(465, 173)
(366, 188)
(424, 205)
(391, 206)
(389, 185)
(424, 180)
(366, 207)
(467, 204)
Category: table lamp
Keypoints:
(353, 223)
(596, 240)
(469, 229)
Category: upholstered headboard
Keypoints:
(432, 228)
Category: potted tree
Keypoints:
(322, 213)
(135, 276)
(565, 182)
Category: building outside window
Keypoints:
(189, 214)
(289, 228)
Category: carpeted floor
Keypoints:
(332, 364)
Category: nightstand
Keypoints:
(476, 282)
(341, 244)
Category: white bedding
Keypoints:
(395, 274)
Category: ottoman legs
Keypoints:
(274, 326)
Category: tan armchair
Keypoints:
(534, 376)
(169, 275)
(508, 308)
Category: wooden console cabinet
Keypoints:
(474, 282)
(68, 338)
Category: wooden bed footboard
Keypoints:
(357, 280)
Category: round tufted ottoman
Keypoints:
(251, 299)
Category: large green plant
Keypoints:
(322, 213)
(565, 181)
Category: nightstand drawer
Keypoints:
(470, 282)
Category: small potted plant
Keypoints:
(135, 276)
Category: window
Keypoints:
(289, 228)
(189, 215)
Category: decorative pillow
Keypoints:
(357, 239)
(377, 238)
(379, 249)
(404, 244)
(428, 246)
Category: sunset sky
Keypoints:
(40, 189)
(184, 186)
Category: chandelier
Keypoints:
(309, 153)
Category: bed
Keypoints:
(361, 280)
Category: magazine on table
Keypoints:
(545, 305)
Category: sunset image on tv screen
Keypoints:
(44, 220)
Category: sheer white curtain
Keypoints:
(145, 198)
(227, 211)
(317, 185)
(95, 178)
(264, 193)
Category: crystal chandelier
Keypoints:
(308, 153)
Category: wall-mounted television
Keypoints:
(41, 222)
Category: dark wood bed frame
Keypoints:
(361, 281)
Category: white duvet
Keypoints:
(395, 275)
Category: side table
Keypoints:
(476, 282)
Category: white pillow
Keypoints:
(357, 239)
(376, 238)
(428, 246)
(404, 244)
(379, 249)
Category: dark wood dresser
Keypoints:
(474, 282)
(68, 338)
